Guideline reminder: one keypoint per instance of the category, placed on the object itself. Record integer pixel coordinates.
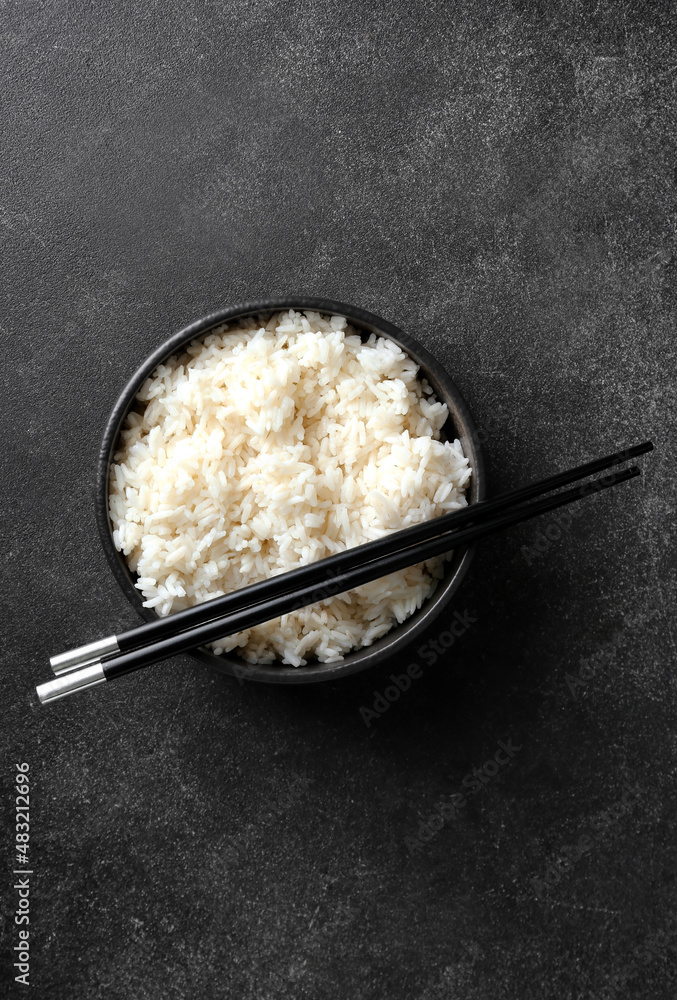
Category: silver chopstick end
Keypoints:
(80, 657)
(70, 682)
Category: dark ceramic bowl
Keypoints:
(459, 424)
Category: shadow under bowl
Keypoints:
(459, 425)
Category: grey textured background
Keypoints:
(499, 180)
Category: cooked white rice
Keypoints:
(261, 448)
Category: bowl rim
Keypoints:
(464, 428)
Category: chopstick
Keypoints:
(296, 597)
(317, 573)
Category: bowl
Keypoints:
(459, 425)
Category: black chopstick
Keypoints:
(316, 573)
(296, 597)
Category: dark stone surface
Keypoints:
(499, 180)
